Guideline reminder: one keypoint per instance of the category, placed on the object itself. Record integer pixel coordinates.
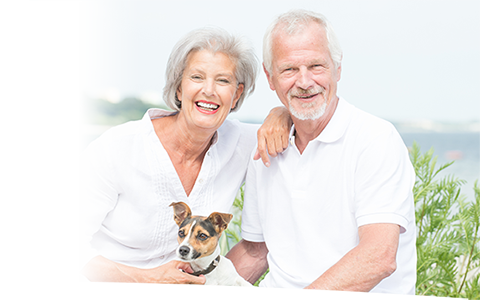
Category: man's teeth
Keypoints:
(207, 106)
(306, 97)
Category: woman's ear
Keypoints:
(238, 93)
(179, 93)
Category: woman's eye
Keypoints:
(202, 236)
(225, 81)
(181, 233)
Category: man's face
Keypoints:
(303, 73)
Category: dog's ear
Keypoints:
(181, 211)
(220, 221)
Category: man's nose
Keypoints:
(305, 80)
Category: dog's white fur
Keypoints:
(224, 274)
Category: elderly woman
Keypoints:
(135, 170)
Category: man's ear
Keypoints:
(181, 211)
(269, 78)
(220, 221)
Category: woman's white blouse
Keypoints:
(129, 182)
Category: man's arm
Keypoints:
(366, 265)
(250, 259)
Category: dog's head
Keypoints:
(197, 236)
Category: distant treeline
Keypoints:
(46, 107)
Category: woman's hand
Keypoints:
(174, 272)
(102, 269)
(272, 136)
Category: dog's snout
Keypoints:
(184, 250)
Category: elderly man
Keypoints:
(335, 210)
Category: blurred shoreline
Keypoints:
(428, 126)
(423, 126)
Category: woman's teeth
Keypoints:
(207, 106)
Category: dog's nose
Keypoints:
(184, 250)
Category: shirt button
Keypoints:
(162, 257)
(200, 180)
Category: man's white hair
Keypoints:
(291, 23)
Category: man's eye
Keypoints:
(202, 236)
(181, 233)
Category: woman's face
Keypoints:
(208, 90)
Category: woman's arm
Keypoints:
(272, 136)
(101, 269)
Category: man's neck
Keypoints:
(308, 130)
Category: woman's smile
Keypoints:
(207, 107)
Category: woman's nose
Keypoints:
(209, 87)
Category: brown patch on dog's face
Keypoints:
(202, 238)
(183, 232)
(199, 235)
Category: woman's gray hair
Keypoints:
(213, 39)
(294, 21)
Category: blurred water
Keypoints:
(461, 147)
(50, 151)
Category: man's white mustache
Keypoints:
(301, 92)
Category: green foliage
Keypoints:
(232, 236)
(48, 108)
(447, 232)
(43, 206)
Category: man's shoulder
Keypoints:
(365, 123)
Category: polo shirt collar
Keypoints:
(336, 127)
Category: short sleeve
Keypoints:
(384, 179)
(251, 225)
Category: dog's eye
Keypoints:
(202, 236)
(181, 233)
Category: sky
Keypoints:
(403, 60)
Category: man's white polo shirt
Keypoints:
(308, 207)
